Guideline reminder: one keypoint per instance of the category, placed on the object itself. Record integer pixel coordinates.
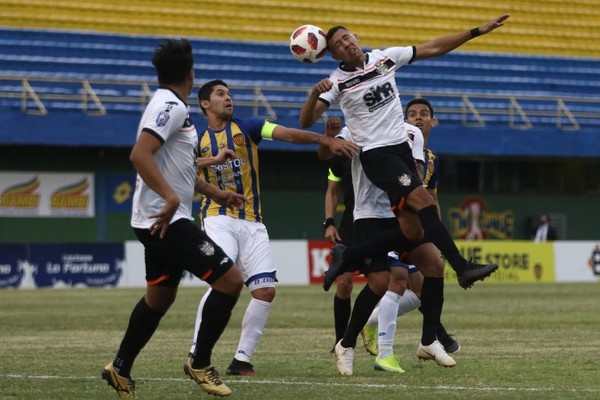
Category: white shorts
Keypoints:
(395, 262)
(247, 243)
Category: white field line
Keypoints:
(373, 385)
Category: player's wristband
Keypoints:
(475, 32)
(328, 222)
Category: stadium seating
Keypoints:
(536, 27)
(508, 78)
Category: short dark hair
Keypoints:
(173, 61)
(205, 90)
(420, 100)
(332, 32)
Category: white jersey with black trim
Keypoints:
(167, 118)
(369, 200)
(369, 98)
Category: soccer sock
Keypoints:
(436, 231)
(253, 325)
(374, 318)
(142, 325)
(432, 300)
(199, 319)
(408, 302)
(388, 308)
(215, 316)
(392, 238)
(341, 315)
(363, 307)
(441, 333)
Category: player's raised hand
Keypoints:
(324, 85)
(493, 24)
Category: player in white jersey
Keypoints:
(400, 299)
(364, 86)
(371, 213)
(164, 156)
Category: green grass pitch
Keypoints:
(518, 342)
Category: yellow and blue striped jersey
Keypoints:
(240, 175)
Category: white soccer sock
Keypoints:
(388, 308)
(253, 324)
(374, 318)
(199, 319)
(408, 302)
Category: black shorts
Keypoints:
(366, 229)
(393, 170)
(184, 247)
(346, 228)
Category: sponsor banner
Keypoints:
(13, 260)
(290, 258)
(61, 265)
(518, 261)
(577, 261)
(319, 258)
(40, 194)
(119, 192)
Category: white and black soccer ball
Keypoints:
(308, 44)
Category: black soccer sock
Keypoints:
(436, 231)
(441, 332)
(432, 301)
(342, 309)
(363, 307)
(391, 239)
(215, 316)
(142, 325)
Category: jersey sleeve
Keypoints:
(253, 127)
(401, 55)
(165, 119)
(331, 96)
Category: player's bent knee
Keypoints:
(264, 294)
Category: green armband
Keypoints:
(333, 177)
(267, 130)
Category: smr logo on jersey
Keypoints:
(379, 96)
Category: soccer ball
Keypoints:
(308, 44)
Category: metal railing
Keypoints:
(39, 96)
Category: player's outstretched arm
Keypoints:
(299, 136)
(445, 44)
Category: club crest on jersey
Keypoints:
(382, 68)
(239, 139)
(162, 118)
(404, 180)
(207, 248)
